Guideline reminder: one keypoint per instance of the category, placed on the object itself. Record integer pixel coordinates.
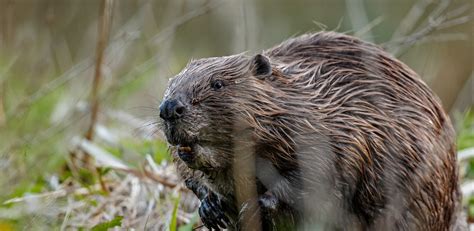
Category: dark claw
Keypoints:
(218, 221)
(221, 220)
(205, 214)
(213, 212)
(204, 218)
(225, 219)
(220, 209)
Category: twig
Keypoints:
(103, 158)
(411, 19)
(368, 28)
(358, 17)
(54, 194)
(198, 227)
(444, 38)
(437, 20)
(106, 7)
(66, 216)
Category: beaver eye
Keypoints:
(217, 84)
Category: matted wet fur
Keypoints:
(337, 134)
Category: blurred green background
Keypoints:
(47, 61)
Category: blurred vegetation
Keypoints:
(466, 131)
(52, 177)
(465, 142)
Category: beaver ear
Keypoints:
(261, 66)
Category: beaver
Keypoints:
(322, 131)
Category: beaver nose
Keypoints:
(171, 110)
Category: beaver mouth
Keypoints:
(186, 152)
(188, 147)
(184, 144)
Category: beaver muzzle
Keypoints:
(170, 111)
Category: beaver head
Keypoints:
(202, 104)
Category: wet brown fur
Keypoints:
(347, 128)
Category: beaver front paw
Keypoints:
(212, 212)
(265, 205)
(268, 203)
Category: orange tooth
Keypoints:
(185, 149)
